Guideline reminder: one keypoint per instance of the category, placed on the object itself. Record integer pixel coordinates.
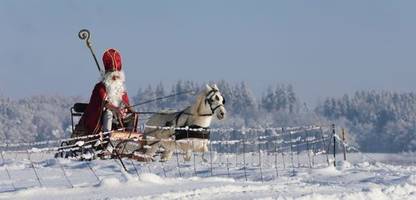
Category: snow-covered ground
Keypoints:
(365, 176)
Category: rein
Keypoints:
(161, 98)
(207, 100)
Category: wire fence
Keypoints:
(248, 154)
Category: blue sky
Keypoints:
(322, 48)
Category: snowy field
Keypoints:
(364, 176)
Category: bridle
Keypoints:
(209, 100)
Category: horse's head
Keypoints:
(215, 101)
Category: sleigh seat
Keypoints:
(125, 141)
(118, 132)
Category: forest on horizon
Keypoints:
(376, 121)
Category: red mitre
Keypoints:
(112, 60)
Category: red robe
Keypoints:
(91, 119)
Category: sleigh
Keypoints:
(165, 133)
(118, 143)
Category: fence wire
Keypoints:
(249, 154)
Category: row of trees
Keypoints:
(277, 106)
(377, 121)
(47, 117)
(35, 119)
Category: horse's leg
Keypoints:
(151, 147)
(151, 150)
(187, 147)
(154, 141)
(203, 157)
(205, 149)
(169, 147)
(188, 155)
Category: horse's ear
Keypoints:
(208, 87)
(215, 87)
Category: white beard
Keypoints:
(114, 88)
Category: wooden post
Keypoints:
(194, 155)
(307, 148)
(291, 153)
(163, 168)
(7, 170)
(34, 169)
(63, 171)
(93, 171)
(244, 153)
(275, 157)
(314, 150)
(137, 172)
(343, 145)
(227, 154)
(326, 147)
(177, 160)
(335, 144)
(236, 152)
(282, 149)
(260, 164)
(211, 157)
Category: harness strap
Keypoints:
(178, 116)
(183, 134)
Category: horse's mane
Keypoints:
(200, 99)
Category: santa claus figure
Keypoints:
(109, 102)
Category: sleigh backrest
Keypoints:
(80, 107)
(77, 111)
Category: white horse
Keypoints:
(209, 102)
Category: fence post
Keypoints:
(163, 168)
(227, 154)
(137, 172)
(260, 163)
(307, 148)
(236, 152)
(34, 169)
(194, 155)
(314, 151)
(177, 159)
(148, 167)
(123, 167)
(335, 143)
(325, 147)
(210, 156)
(298, 142)
(291, 153)
(282, 147)
(244, 152)
(275, 157)
(7, 170)
(343, 144)
(93, 171)
(63, 171)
